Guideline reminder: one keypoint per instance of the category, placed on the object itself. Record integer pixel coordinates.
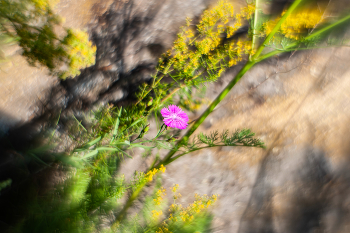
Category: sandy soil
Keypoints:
(23, 88)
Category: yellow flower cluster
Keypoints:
(80, 51)
(236, 49)
(159, 196)
(149, 175)
(201, 203)
(222, 12)
(163, 229)
(296, 24)
(208, 44)
(175, 188)
(248, 11)
(42, 6)
(184, 59)
(201, 53)
(202, 47)
(175, 196)
(162, 168)
(192, 105)
(185, 214)
(245, 14)
(156, 214)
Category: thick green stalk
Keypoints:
(255, 24)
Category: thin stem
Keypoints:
(155, 83)
(316, 47)
(200, 148)
(172, 93)
(179, 88)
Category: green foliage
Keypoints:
(33, 24)
(90, 198)
(5, 41)
(80, 52)
(81, 204)
(200, 53)
(238, 138)
(158, 217)
(94, 197)
(4, 184)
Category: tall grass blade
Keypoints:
(116, 125)
(89, 144)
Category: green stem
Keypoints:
(255, 59)
(155, 83)
(132, 198)
(211, 107)
(184, 139)
(276, 28)
(293, 46)
(205, 147)
(327, 28)
(255, 24)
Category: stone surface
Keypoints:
(88, 88)
(298, 105)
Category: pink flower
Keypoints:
(174, 117)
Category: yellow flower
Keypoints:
(162, 168)
(296, 24)
(156, 214)
(159, 196)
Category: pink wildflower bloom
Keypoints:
(174, 117)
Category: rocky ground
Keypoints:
(298, 104)
(300, 183)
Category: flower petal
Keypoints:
(174, 117)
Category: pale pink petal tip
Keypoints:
(174, 117)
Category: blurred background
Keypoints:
(297, 103)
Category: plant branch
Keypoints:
(200, 148)
(276, 28)
(293, 46)
(319, 32)
(131, 199)
(184, 140)
(211, 107)
(255, 24)
(223, 94)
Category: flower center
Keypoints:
(174, 117)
